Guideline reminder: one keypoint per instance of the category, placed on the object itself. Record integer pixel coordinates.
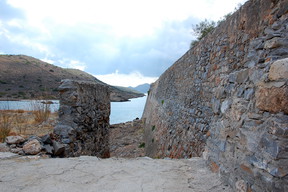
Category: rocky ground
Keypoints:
(126, 139)
(126, 170)
(31, 173)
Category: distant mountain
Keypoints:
(24, 77)
(144, 88)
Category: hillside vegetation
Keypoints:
(24, 77)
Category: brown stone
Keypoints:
(241, 186)
(279, 70)
(32, 147)
(246, 169)
(214, 167)
(272, 99)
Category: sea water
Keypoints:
(120, 111)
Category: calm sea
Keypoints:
(120, 111)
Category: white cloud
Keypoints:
(15, 23)
(70, 63)
(122, 18)
(48, 61)
(132, 79)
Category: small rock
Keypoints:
(32, 147)
(273, 43)
(215, 106)
(241, 186)
(242, 76)
(48, 148)
(14, 139)
(225, 106)
(16, 150)
(4, 147)
(248, 93)
(46, 139)
(58, 148)
(279, 70)
(274, 99)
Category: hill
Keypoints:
(143, 88)
(24, 77)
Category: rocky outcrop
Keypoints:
(84, 118)
(126, 139)
(227, 99)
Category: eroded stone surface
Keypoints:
(32, 147)
(14, 139)
(279, 70)
(224, 96)
(102, 175)
(83, 127)
(274, 99)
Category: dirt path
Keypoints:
(101, 175)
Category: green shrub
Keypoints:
(142, 145)
(21, 93)
(153, 127)
(162, 102)
(201, 30)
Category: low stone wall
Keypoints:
(84, 118)
(227, 99)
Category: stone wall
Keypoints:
(84, 118)
(227, 99)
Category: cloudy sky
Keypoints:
(121, 42)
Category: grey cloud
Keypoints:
(151, 56)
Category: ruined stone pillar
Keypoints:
(84, 118)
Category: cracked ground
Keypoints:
(114, 174)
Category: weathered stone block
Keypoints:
(58, 148)
(279, 70)
(273, 43)
(32, 147)
(14, 139)
(242, 76)
(225, 105)
(241, 186)
(272, 99)
(4, 147)
(83, 119)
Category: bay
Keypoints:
(120, 111)
(127, 111)
(27, 105)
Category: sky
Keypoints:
(121, 42)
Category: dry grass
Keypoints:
(41, 111)
(15, 122)
(5, 126)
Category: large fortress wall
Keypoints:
(227, 99)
